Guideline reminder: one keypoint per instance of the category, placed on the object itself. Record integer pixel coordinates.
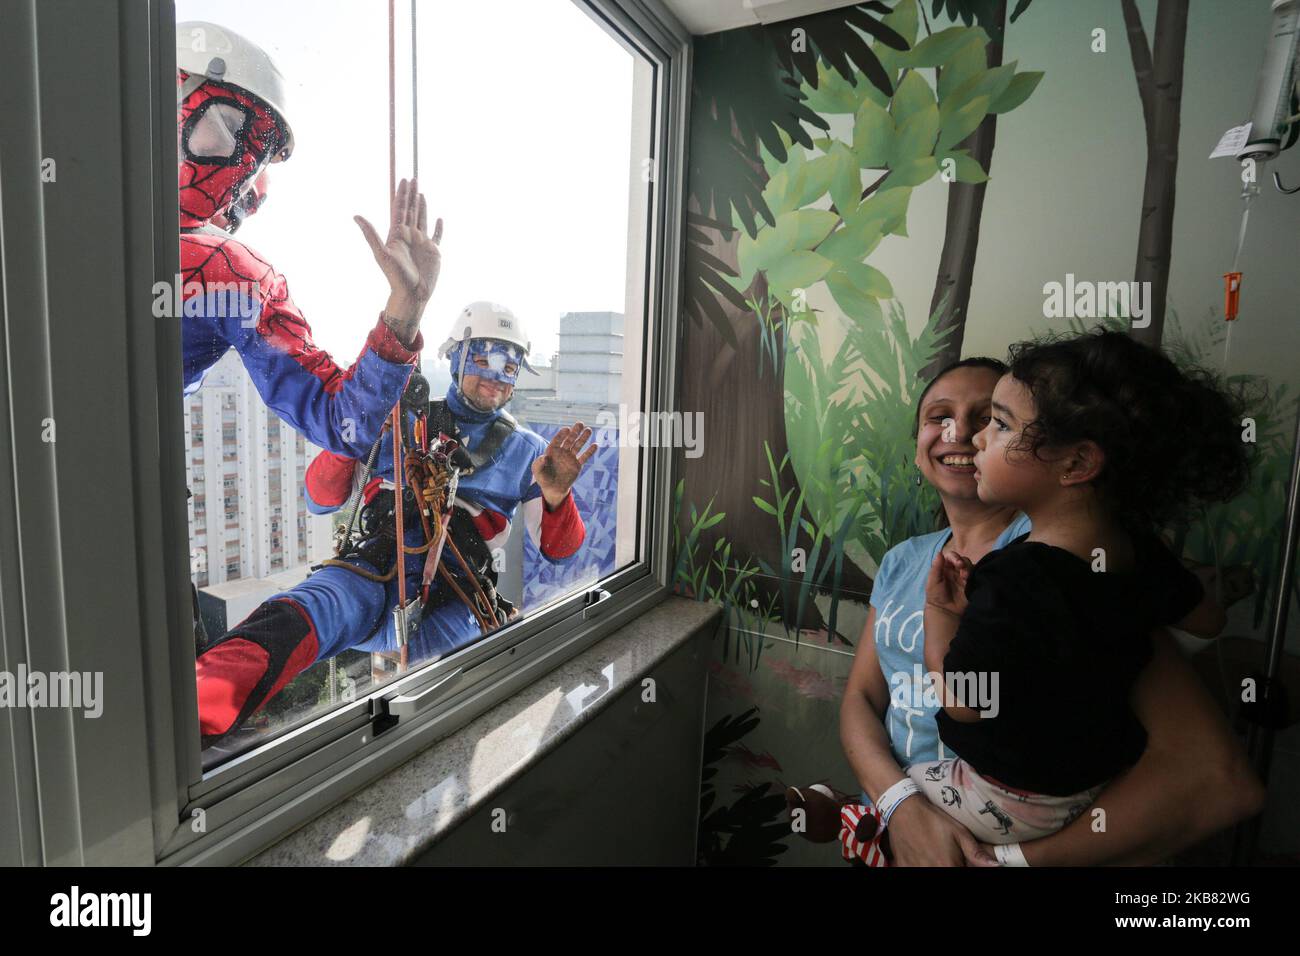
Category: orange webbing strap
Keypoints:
(430, 486)
(401, 528)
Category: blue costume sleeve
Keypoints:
(339, 410)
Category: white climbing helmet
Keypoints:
(207, 51)
(487, 320)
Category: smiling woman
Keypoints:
(951, 410)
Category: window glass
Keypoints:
(529, 127)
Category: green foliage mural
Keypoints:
(848, 418)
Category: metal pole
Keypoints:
(1259, 738)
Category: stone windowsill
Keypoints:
(396, 818)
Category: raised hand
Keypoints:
(945, 585)
(558, 467)
(409, 257)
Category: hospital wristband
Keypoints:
(891, 798)
(1009, 854)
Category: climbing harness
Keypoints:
(429, 460)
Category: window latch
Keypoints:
(388, 711)
(592, 601)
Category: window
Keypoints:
(593, 225)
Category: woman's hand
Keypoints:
(945, 585)
(920, 834)
(410, 259)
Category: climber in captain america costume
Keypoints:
(339, 607)
(231, 126)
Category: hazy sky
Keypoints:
(525, 129)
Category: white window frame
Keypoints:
(135, 802)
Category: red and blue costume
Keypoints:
(233, 298)
(336, 609)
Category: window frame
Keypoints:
(252, 800)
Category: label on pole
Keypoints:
(1230, 143)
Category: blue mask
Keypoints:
(488, 359)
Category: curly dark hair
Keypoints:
(1172, 437)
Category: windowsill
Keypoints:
(398, 817)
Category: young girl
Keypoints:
(1100, 441)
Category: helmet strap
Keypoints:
(460, 373)
(192, 83)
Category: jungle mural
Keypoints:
(811, 140)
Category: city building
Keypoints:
(247, 515)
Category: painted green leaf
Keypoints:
(745, 260)
(798, 270)
(833, 93)
(764, 506)
(938, 48)
(883, 211)
(868, 280)
(766, 248)
(916, 137)
(846, 184)
(797, 230)
(810, 226)
(962, 123)
(1019, 90)
(873, 135)
(903, 20)
(965, 168)
(913, 96)
(990, 83)
(703, 527)
(853, 302)
(911, 173)
(791, 185)
(848, 245)
(969, 61)
(815, 177)
(774, 191)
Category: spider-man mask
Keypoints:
(225, 136)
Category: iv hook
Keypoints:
(1277, 181)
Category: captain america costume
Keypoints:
(337, 609)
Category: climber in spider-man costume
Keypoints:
(349, 603)
(231, 125)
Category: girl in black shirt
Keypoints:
(1100, 441)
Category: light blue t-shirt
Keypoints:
(898, 595)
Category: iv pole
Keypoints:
(1259, 738)
(1274, 116)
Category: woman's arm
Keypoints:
(1192, 780)
(920, 833)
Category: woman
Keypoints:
(1191, 780)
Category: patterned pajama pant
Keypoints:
(993, 813)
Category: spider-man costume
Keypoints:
(336, 609)
(233, 298)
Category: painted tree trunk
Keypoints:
(1159, 72)
(741, 411)
(962, 230)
